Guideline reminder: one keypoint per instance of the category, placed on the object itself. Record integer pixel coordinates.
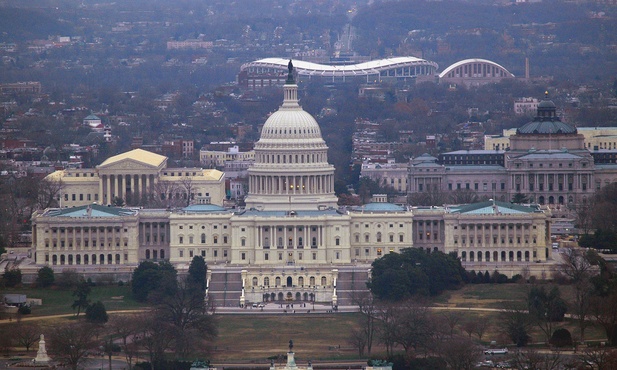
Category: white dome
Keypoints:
(291, 124)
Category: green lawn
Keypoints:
(58, 301)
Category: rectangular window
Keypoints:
(243, 256)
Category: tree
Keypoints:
(601, 358)
(155, 337)
(399, 276)
(48, 192)
(452, 319)
(459, 353)
(603, 310)
(11, 277)
(149, 277)
(81, 293)
(464, 196)
(126, 327)
(363, 337)
(516, 324)
(197, 273)
(484, 324)
(546, 308)
(520, 198)
(579, 267)
(96, 313)
(45, 277)
(26, 334)
(187, 311)
(415, 326)
(534, 360)
(561, 338)
(71, 343)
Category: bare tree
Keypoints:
(48, 193)
(367, 307)
(469, 327)
(71, 343)
(600, 358)
(126, 328)
(452, 319)
(463, 196)
(189, 189)
(164, 194)
(387, 326)
(482, 326)
(459, 353)
(531, 359)
(357, 338)
(415, 326)
(579, 266)
(27, 334)
(603, 310)
(187, 310)
(155, 337)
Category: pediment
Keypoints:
(127, 164)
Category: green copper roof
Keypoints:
(492, 208)
(91, 210)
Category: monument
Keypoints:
(41, 354)
(291, 361)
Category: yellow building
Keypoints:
(139, 177)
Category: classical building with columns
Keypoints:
(291, 243)
(138, 177)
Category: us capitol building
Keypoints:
(290, 243)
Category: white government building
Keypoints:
(290, 243)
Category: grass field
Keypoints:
(58, 301)
(243, 337)
(318, 337)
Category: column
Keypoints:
(139, 186)
(101, 179)
(116, 193)
(109, 200)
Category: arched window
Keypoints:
(162, 253)
(255, 281)
(378, 237)
(471, 256)
(93, 259)
(463, 256)
(519, 256)
(312, 281)
(323, 281)
(117, 258)
(487, 256)
(267, 281)
(203, 238)
(301, 281)
(526, 255)
(85, 259)
(551, 200)
(277, 281)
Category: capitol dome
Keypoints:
(291, 169)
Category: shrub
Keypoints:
(12, 277)
(561, 338)
(96, 313)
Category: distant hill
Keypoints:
(26, 24)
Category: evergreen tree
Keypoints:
(81, 293)
(45, 277)
(197, 273)
(96, 313)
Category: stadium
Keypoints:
(273, 71)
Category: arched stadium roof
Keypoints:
(471, 61)
(304, 68)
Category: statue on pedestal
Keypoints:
(41, 354)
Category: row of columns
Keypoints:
(497, 256)
(283, 185)
(86, 259)
(111, 186)
(273, 234)
(486, 238)
(93, 234)
(154, 233)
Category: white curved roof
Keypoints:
(359, 69)
(468, 61)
